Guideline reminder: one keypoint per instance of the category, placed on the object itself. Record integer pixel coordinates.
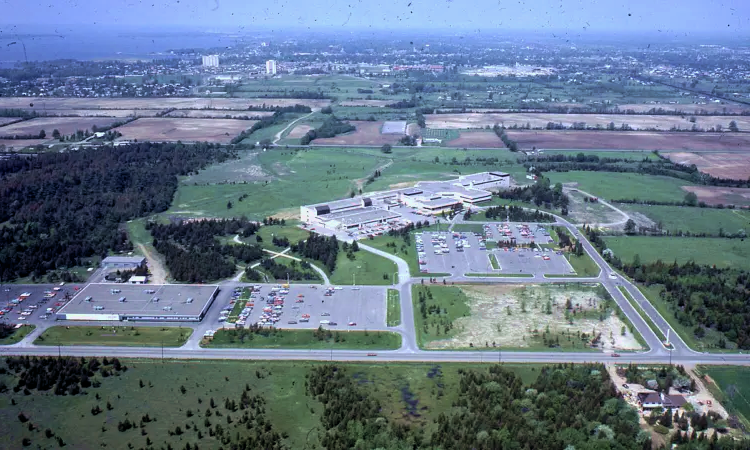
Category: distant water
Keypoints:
(105, 45)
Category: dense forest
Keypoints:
(62, 207)
(568, 406)
(331, 127)
(701, 297)
(540, 193)
(194, 254)
(516, 214)
(320, 248)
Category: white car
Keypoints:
(324, 322)
(612, 276)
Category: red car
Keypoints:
(615, 355)
(352, 324)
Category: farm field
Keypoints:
(159, 103)
(734, 383)
(307, 339)
(217, 114)
(476, 139)
(518, 317)
(282, 180)
(733, 253)
(281, 384)
(714, 195)
(4, 120)
(628, 140)
(66, 125)
(616, 186)
(363, 102)
(540, 120)
(186, 130)
(116, 336)
(691, 220)
(735, 166)
(367, 133)
(686, 107)
(17, 144)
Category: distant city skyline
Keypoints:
(578, 16)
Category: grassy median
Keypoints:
(393, 310)
(319, 339)
(115, 336)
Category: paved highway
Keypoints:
(409, 351)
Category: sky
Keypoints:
(684, 16)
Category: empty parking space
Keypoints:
(307, 307)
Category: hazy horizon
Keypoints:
(490, 16)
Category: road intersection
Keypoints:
(410, 351)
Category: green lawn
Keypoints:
(115, 336)
(306, 339)
(494, 262)
(365, 269)
(694, 220)
(721, 252)
(280, 383)
(452, 303)
(469, 228)
(500, 275)
(289, 231)
(393, 308)
(734, 388)
(17, 335)
(613, 186)
(584, 266)
(314, 276)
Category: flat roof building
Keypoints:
(123, 262)
(128, 302)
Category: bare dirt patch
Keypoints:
(476, 139)
(540, 120)
(66, 125)
(186, 130)
(713, 195)
(734, 166)
(299, 131)
(217, 114)
(581, 211)
(367, 133)
(155, 267)
(713, 108)
(490, 322)
(159, 103)
(629, 140)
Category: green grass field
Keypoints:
(366, 268)
(17, 335)
(499, 275)
(281, 384)
(584, 266)
(494, 262)
(613, 186)
(469, 228)
(734, 388)
(694, 220)
(117, 336)
(289, 231)
(721, 252)
(453, 304)
(305, 339)
(393, 308)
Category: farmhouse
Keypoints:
(132, 302)
(653, 400)
(123, 262)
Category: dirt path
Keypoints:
(360, 182)
(624, 215)
(277, 138)
(158, 272)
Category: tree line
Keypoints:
(194, 254)
(63, 207)
(320, 248)
(516, 214)
(331, 127)
(509, 143)
(539, 193)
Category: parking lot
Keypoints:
(460, 253)
(309, 306)
(33, 304)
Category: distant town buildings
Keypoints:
(211, 61)
(271, 67)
